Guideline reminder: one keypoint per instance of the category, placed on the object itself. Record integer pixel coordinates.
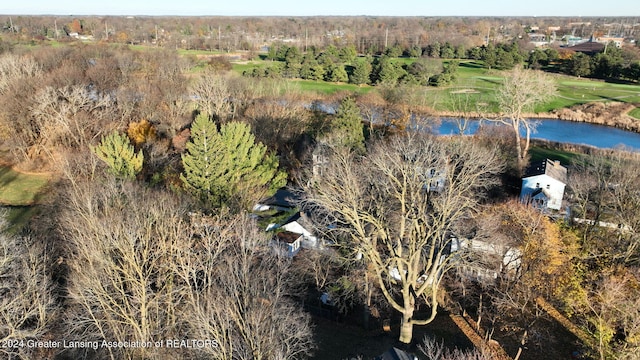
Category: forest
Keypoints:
(133, 162)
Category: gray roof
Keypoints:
(283, 198)
(396, 354)
(547, 167)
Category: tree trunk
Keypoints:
(406, 328)
(516, 127)
(523, 341)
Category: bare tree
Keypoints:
(535, 262)
(434, 350)
(399, 206)
(27, 306)
(614, 316)
(142, 270)
(68, 116)
(605, 187)
(122, 244)
(521, 91)
(212, 95)
(241, 295)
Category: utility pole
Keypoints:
(106, 31)
(55, 27)
(219, 39)
(386, 38)
(306, 38)
(157, 41)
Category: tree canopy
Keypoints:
(227, 165)
(119, 155)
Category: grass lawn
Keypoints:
(541, 152)
(635, 113)
(328, 88)
(19, 189)
(18, 216)
(479, 84)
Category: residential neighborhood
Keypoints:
(307, 182)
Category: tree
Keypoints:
(537, 58)
(540, 267)
(614, 315)
(361, 72)
(605, 188)
(422, 70)
(580, 65)
(140, 268)
(212, 93)
(242, 294)
(228, 165)
(27, 305)
(383, 206)
(385, 71)
(347, 126)
(121, 158)
(521, 91)
(434, 350)
(336, 73)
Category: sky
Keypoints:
(323, 7)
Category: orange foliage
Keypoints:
(140, 132)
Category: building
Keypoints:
(289, 242)
(543, 185)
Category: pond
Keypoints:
(599, 136)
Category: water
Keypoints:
(566, 132)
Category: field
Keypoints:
(19, 189)
(635, 113)
(478, 85)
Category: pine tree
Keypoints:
(228, 165)
(347, 125)
(119, 155)
(361, 72)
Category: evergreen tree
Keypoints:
(336, 73)
(580, 65)
(347, 126)
(361, 72)
(386, 71)
(221, 167)
(119, 155)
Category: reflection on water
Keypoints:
(565, 132)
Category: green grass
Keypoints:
(635, 113)
(18, 189)
(330, 88)
(473, 76)
(242, 67)
(18, 216)
(538, 153)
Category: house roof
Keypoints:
(396, 354)
(287, 237)
(301, 218)
(283, 198)
(589, 47)
(547, 167)
(542, 191)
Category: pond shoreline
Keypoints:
(614, 114)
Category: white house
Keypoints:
(290, 242)
(299, 224)
(543, 185)
(493, 260)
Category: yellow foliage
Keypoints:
(140, 132)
